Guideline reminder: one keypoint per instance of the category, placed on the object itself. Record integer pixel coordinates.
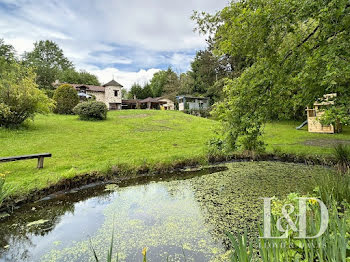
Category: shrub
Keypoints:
(342, 156)
(91, 110)
(66, 98)
(3, 192)
(334, 186)
(198, 112)
(330, 246)
(20, 97)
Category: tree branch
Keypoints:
(290, 52)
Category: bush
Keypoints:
(66, 98)
(198, 112)
(91, 110)
(3, 192)
(20, 98)
(342, 156)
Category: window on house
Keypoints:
(116, 92)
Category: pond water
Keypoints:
(183, 218)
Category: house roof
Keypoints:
(194, 97)
(90, 87)
(130, 101)
(113, 83)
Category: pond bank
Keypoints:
(173, 214)
(123, 175)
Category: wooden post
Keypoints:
(40, 162)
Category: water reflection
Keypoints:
(171, 218)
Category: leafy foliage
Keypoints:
(91, 110)
(298, 52)
(3, 192)
(135, 91)
(20, 98)
(49, 61)
(66, 98)
(331, 246)
(74, 77)
(342, 156)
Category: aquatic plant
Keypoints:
(331, 246)
(342, 157)
(333, 186)
(3, 191)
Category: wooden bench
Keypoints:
(40, 158)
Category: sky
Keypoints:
(129, 40)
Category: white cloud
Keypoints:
(127, 79)
(109, 33)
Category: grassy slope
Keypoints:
(131, 137)
(127, 137)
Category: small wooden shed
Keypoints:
(314, 114)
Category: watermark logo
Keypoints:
(299, 225)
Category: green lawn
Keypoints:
(132, 138)
(284, 137)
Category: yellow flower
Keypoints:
(313, 201)
(144, 251)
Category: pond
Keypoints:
(184, 217)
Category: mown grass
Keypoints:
(130, 138)
(282, 137)
(133, 138)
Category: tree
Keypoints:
(49, 61)
(135, 91)
(203, 71)
(74, 77)
(20, 97)
(165, 83)
(7, 52)
(124, 93)
(172, 85)
(186, 83)
(7, 55)
(208, 70)
(146, 91)
(157, 83)
(66, 98)
(298, 51)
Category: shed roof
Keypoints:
(194, 97)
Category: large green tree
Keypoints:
(48, 60)
(298, 49)
(208, 71)
(158, 82)
(7, 55)
(72, 76)
(135, 91)
(203, 71)
(165, 83)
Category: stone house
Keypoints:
(110, 93)
(191, 102)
